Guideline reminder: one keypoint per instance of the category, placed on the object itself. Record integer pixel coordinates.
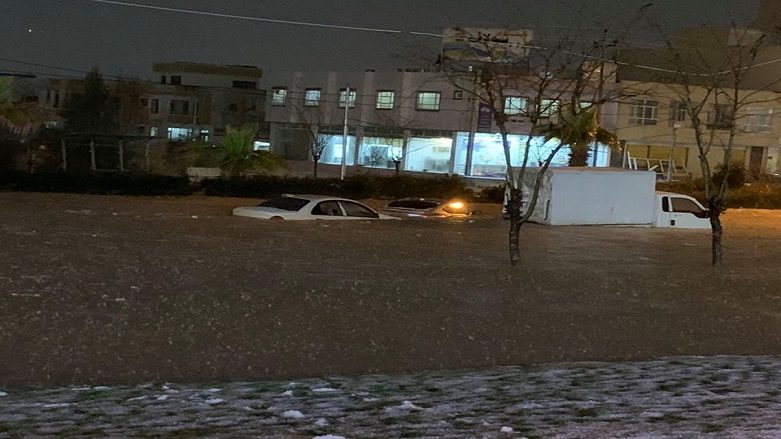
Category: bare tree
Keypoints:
(548, 77)
(709, 73)
(312, 118)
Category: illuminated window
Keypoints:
(385, 99)
(180, 134)
(278, 96)
(428, 101)
(514, 105)
(644, 112)
(312, 97)
(350, 99)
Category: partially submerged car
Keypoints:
(310, 207)
(428, 208)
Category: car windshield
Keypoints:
(292, 204)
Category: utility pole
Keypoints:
(344, 132)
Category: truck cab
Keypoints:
(680, 211)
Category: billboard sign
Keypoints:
(480, 45)
(485, 118)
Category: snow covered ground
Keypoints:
(680, 397)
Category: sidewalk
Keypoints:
(682, 397)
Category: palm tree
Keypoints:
(578, 129)
(11, 114)
(238, 155)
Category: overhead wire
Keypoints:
(265, 20)
(397, 31)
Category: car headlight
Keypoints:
(456, 207)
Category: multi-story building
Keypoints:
(418, 118)
(653, 121)
(194, 100)
(189, 101)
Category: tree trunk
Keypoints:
(578, 155)
(314, 168)
(716, 234)
(515, 226)
(397, 165)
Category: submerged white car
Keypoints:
(428, 208)
(310, 207)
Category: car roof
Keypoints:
(431, 200)
(313, 197)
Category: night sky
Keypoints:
(74, 35)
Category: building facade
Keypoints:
(199, 101)
(420, 120)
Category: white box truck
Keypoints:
(583, 196)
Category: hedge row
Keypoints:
(113, 183)
(359, 186)
(748, 196)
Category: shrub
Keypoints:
(736, 176)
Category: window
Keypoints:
(677, 112)
(428, 101)
(144, 102)
(514, 105)
(355, 209)
(233, 107)
(245, 84)
(644, 112)
(154, 106)
(176, 80)
(458, 95)
(162, 79)
(204, 135)
(549, 107)
(278, 96)
(684, 205)
(291, 204)
(153, 131)
(180, 134)
(385, 99)
(758, 121)
(328, 208)
(312, 97)
(722, 116)
(180, 107)
(380, 152)
(350, 99)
